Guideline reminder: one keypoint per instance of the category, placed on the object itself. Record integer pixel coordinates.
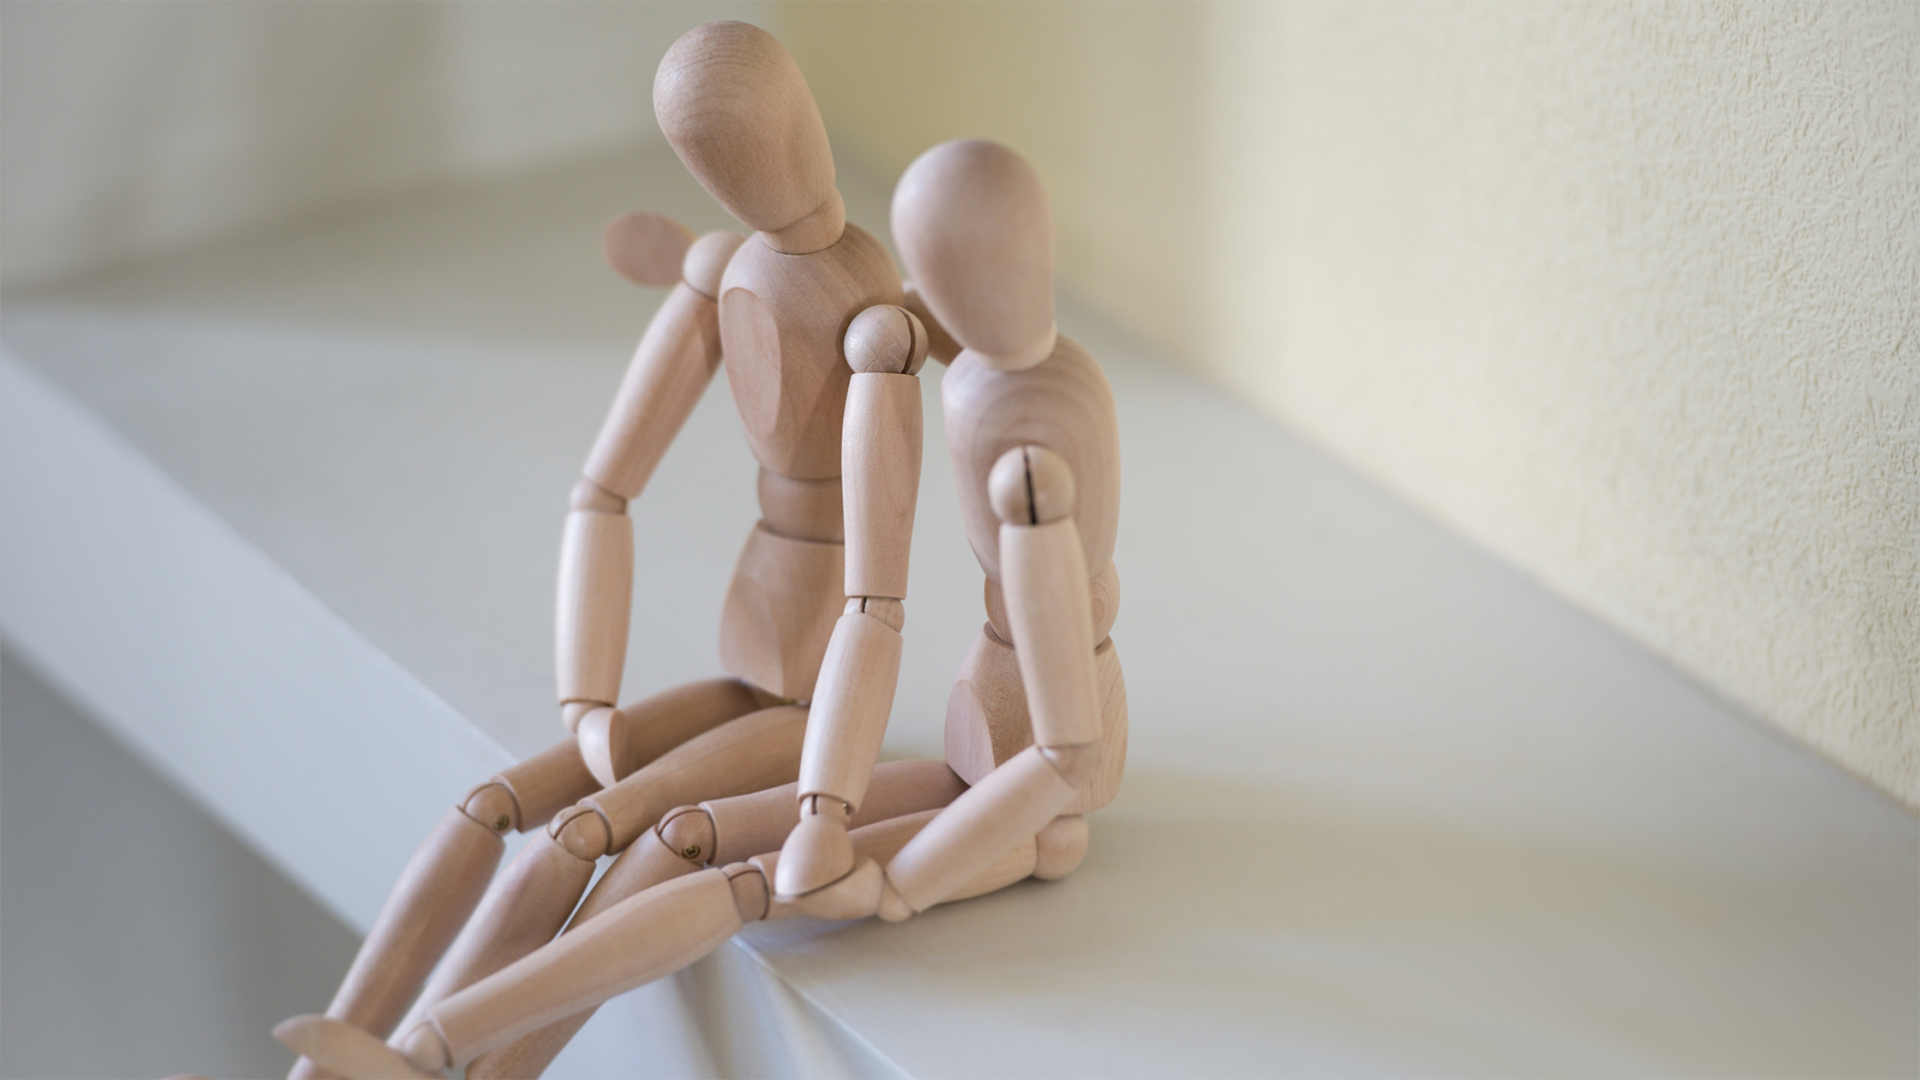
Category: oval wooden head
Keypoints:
(738, 112)
(976, 232)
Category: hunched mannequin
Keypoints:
(776, 306)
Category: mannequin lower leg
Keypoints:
(443, 883)
(650, 861)
(531, 902)
(726, 830)
(635, 942)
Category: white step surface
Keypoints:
(286, 514)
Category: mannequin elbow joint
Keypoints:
(1076, 763)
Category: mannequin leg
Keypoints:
(722, 831)
(530, 903)
(642, 938)
(443, 884)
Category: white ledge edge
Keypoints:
(211, 661)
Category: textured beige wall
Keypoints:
(127, 129)
(1629, 294)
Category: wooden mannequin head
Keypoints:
(738, 112)
(976, 232)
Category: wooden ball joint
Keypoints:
(755, 796)
(1030, 485)
(886, 340)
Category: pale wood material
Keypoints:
(670, 370)
(1060, 847)
(907, 787)
(886, 340)
(889, 611)
(530, 1053)
(544, 783)
(987, 721)
(861, 892)
(1030, 485)
(882, 840)
(749, 825)
(524, 909)
(746, 825)
(781, 321)
(648, 862)
(595, 733)
(588, 495)
(737, 111)
(815, 232)
(941, 348)
(850, 711)
(439, 888)
(975, 230)
(1063, 404)
(1100, 789)
(1006, 808)
(654, 933)
(780, 610)
(636, 734)
(596, 593)
(973, 223)
(707, 260)
(751, 896)
(491, 804)
(743, 826)
(646, 249)
(1103, 590)
(1045, 576)
(978, 231)
(344, 1050)
(759, 750)
(735, 107)
(998, 625)
(818, 854)
(1015, 865)
(802, 509)
(572, 712)
(881, 456)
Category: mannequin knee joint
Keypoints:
(582, 831)
(752, 897)
(689, 833)
(492, 804)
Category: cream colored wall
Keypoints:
(1629, 294)
(127, 129)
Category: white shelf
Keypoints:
(286, 514)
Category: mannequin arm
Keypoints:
(880, 459)
(1044, 574)
(670, 370)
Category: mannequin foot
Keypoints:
(817, 853)
(855, 896)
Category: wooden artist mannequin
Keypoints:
(777, 306)
(1036, 724)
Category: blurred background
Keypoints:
(1629, 295)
